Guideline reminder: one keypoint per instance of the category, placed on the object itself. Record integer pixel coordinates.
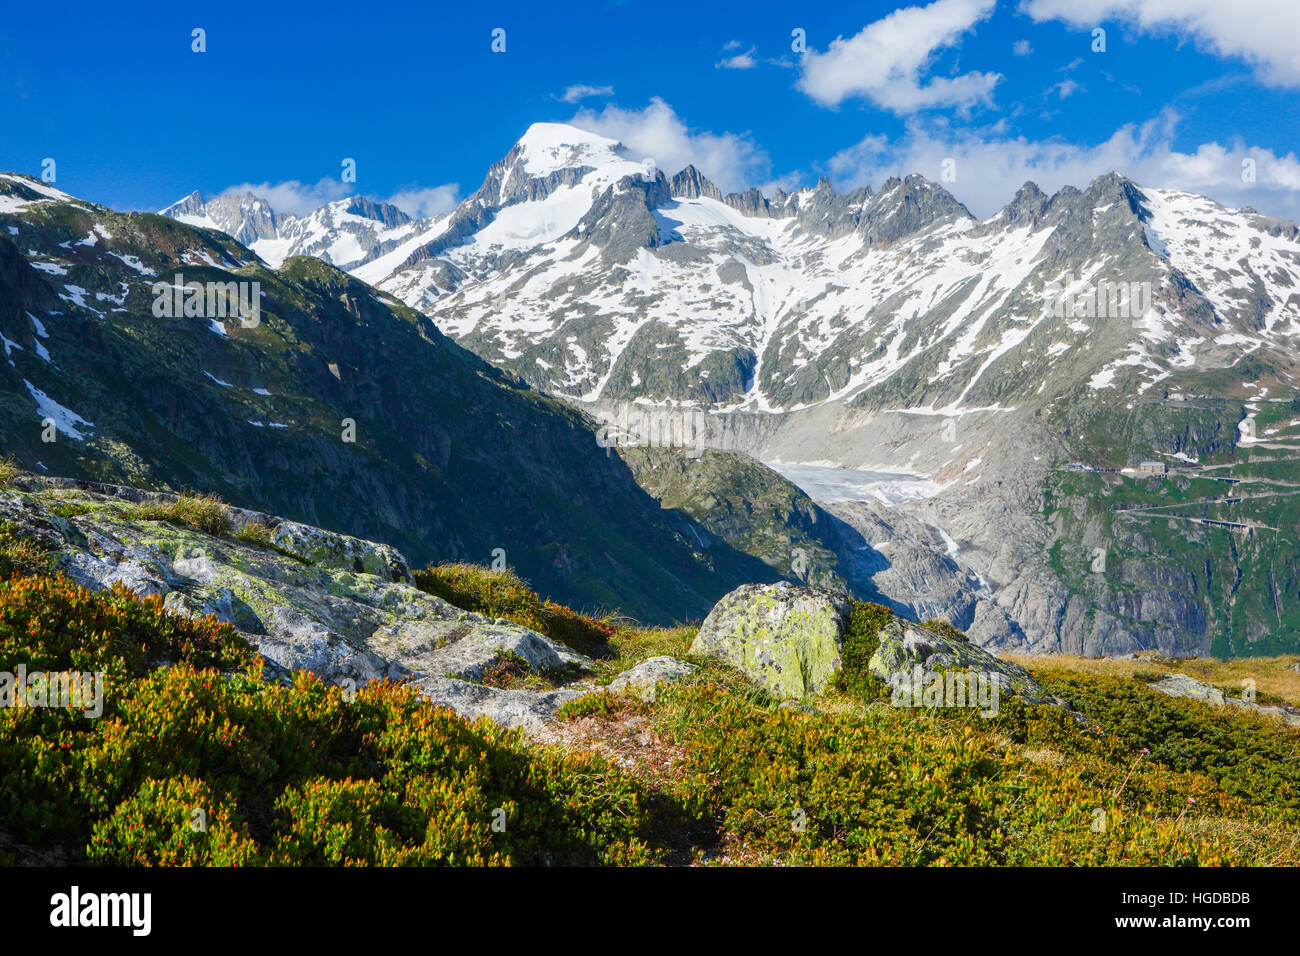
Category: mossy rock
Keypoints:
(785, 637)
(798, 641)
(331, 550)
(903, 646)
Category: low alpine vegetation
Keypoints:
(48, 623)
(860, 643)
(198, 759)
(202, 762)
(21, 554)
(205, 513)
(502, 594)
(1034, 786)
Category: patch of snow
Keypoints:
(65, 420)
(134, 262)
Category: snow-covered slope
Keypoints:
(898, 297)
(346, 233)
(539, 192)
(588, 272)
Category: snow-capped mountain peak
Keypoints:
(242, 216)
(346, 232)
(590, 273)
(547, 147)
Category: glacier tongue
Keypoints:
(834, 483)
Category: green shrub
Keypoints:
(21, 554)
(256, 533)
(175, 822)
(52, 624)
(341, 823)
(886, 786)
(861, 641)
(601, 703)
(294, 775)
(502, 594)
(70, 509)
(302, 775)
(297, 775)
(1249, 756)
(507, 669)
(550, 807)
(944, 628)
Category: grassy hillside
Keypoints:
(745, 503)
(712, 772)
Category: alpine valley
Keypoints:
(1071, 427)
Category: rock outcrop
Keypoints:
(785, 637)
(644, 679)
(905, 646)
(1180, 685)
(315, 600)
(789, 638)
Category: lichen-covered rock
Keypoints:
(644, 679)
(329, 549)
(343, 608)
(468, 657)
(904, 646)
(1180, 685)
(201, 601)
(528, 709)
(786, 637)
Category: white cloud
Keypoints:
(1022, 48)
(656, 132)
(582, 92)
(991, 166)
(1066, 88)
(293, 197)
(1261, 32)
(886, 61)
(741, 61)
(298, 199)
(426, 203)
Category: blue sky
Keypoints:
(414, 93)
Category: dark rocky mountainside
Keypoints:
(338, 406)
